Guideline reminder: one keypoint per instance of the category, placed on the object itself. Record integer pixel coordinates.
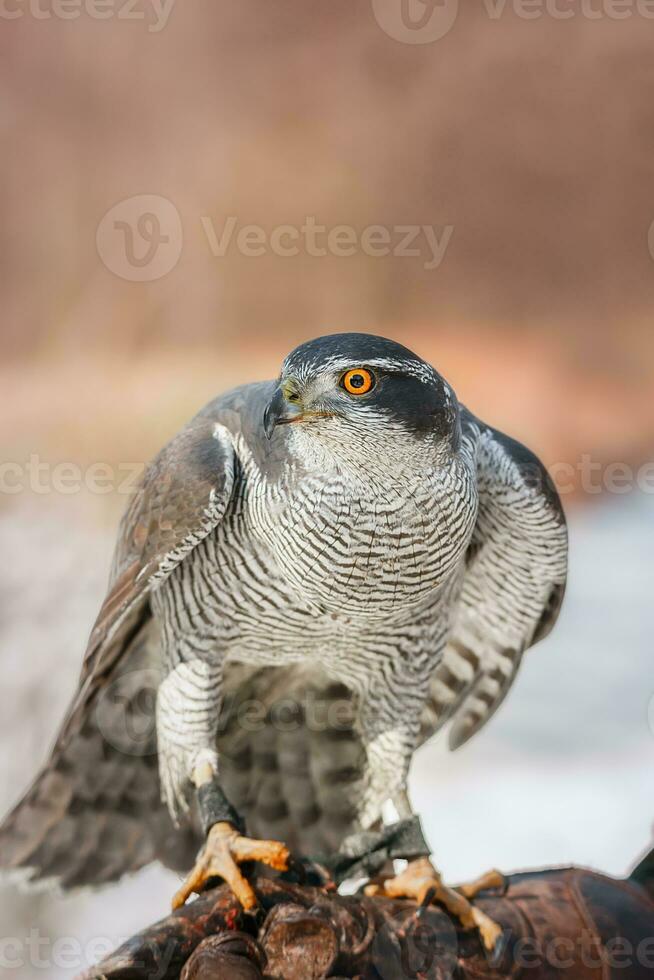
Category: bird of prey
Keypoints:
(313, 577)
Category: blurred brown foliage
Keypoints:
(533, 138)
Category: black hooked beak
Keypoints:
(280, 410)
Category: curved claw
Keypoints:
(489, 930)
(223, 851)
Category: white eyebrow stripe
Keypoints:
(417, 369)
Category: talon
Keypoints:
(421, 882)
(489, 930)
(428, 897)
(220, 857)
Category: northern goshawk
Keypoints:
(315, 574)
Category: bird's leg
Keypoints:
(189, 702)
(390, 723)
(421, 881)
(226, 847)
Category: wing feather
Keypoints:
(182, 497)
(512, 588)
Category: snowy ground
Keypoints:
(562, 774)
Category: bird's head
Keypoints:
(344, 391)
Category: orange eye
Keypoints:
(358, 381)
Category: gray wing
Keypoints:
(513, 585)
(183, 496)
(94, 811)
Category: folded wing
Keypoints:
(513, 585)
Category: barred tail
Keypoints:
(295, 774)
(94, 811)
(91, 815)
(489, 689)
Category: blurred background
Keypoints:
(484, 183)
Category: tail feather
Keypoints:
(78, 830)
(484, 697)
(94, 812)
(292, 778)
